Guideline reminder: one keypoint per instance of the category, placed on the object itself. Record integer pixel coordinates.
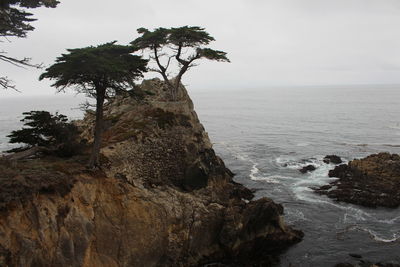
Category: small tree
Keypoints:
(98, 72)
(184, 44)
(15, 22)
(43, 129)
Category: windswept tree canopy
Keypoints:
(184, 44)
(108, 66)
(15, 22)
(98, 72)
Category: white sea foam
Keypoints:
(254, 175)
(292, 216)
(354, 215)
(372, 234)
(390, 221)
(295, 164)
(304, 183)
(303, 144)
(236, 152)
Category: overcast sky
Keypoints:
(270, 42)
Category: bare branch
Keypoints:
(169, 61)
(5, 83)
(155, 70)
(18, 62)
(85, 106)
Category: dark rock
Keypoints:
(195, 178)
(241, 192)
(357, 256)
(257, 247)
(344, 265)
(308, 168)
(332, 159)
(372, 181)
(325, 187)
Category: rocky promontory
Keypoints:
(161, 198)
(372, 181)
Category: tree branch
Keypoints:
(163, 70)
(178, 55)
(185, 66)
(7, 84)
(169, 61)
(18, 62)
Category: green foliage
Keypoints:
(154, 39)
(44, 129)
(212, 54)
(184, 44)
(15, 20)
(179, 37)
(107, 66)
(189, 36)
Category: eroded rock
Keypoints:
(332, 159)
(308, 168)
(372, 181)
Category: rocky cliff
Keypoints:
(162, 198)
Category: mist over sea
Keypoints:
(265, 136)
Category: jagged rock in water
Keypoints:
(162, 198)
(332, 159)
(372, 181)
(308, 168)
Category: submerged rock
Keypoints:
(372, 181)
(162, 198)
(308, 168)
(332, 159)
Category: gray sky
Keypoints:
(270, 42)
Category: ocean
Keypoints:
(265, 135)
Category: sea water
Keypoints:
(266, 135)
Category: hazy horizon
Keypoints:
(71, 93)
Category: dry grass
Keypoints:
(21, 180)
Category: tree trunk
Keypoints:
(173, 93)
(94, 161)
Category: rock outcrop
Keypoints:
(162, 198)
(372, 181)
(308, 168)
(332, 159)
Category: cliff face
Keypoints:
(163, 198)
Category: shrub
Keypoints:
(44, 129)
